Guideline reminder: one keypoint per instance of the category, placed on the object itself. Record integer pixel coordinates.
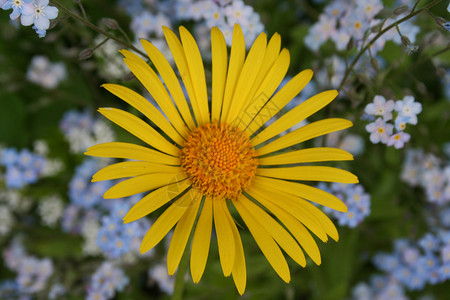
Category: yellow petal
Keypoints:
(180, 60)
(305, 133)
(225, 239)
(155, 87)
(145, 107)
(201, 241)
(141, 184)
(306, 156)
(299, 231)
(131, 151)
(247, 77)
(219, 71)
(237, 57)
(295, 115)
(155, 200)
(239, 269)
(167, 220)
(265, 90)
(197, 72)
(264, 195)
(265, 242)
(278, 233)
(300, 208)
(271, 56)
(323, 219)
(131, 169)
(180, 237)
(279, 100)
(304, 191)
(170, 79)
(140, 129)
(313, 173)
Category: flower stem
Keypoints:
(370, 43)
(98, 29)
(179, 277)
(429, 57)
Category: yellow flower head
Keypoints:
(206, 155)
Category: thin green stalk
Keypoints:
(83, 12)
(364, 49)
(98, 29)
(103, 42)
(179, 277)
(415, 5)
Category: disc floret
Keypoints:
(219, 159)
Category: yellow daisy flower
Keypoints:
(208, 156)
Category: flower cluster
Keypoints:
(428, 172)
(106, 281)
(356, 200)
(416, 264)
(86, 197)
(31, 12)
(223, 14)
(44, 73)
(82, 130)
(413, 264)
(379, 288)
(343, 20)
(109, 237)
(381, 130)
(22, 167)
(32, 272)
(116, 238)
(83, 192)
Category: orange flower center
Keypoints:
(219, 160)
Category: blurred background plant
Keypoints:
(390, 61)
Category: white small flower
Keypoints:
(50, 209)
(89, 231)
(44, 73)
(227, 32)
(40, 147)
(380, 107)
(102, 132)
(370, 7)
(355, 23)
(238, 13)
(39, 13)
(398, 140)
(408, 108)
(52, 167)
(165, 282)
(215, 16)
(380, 131)
(340, 39)
(353, 144)
(195, 11)
(6, 220)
